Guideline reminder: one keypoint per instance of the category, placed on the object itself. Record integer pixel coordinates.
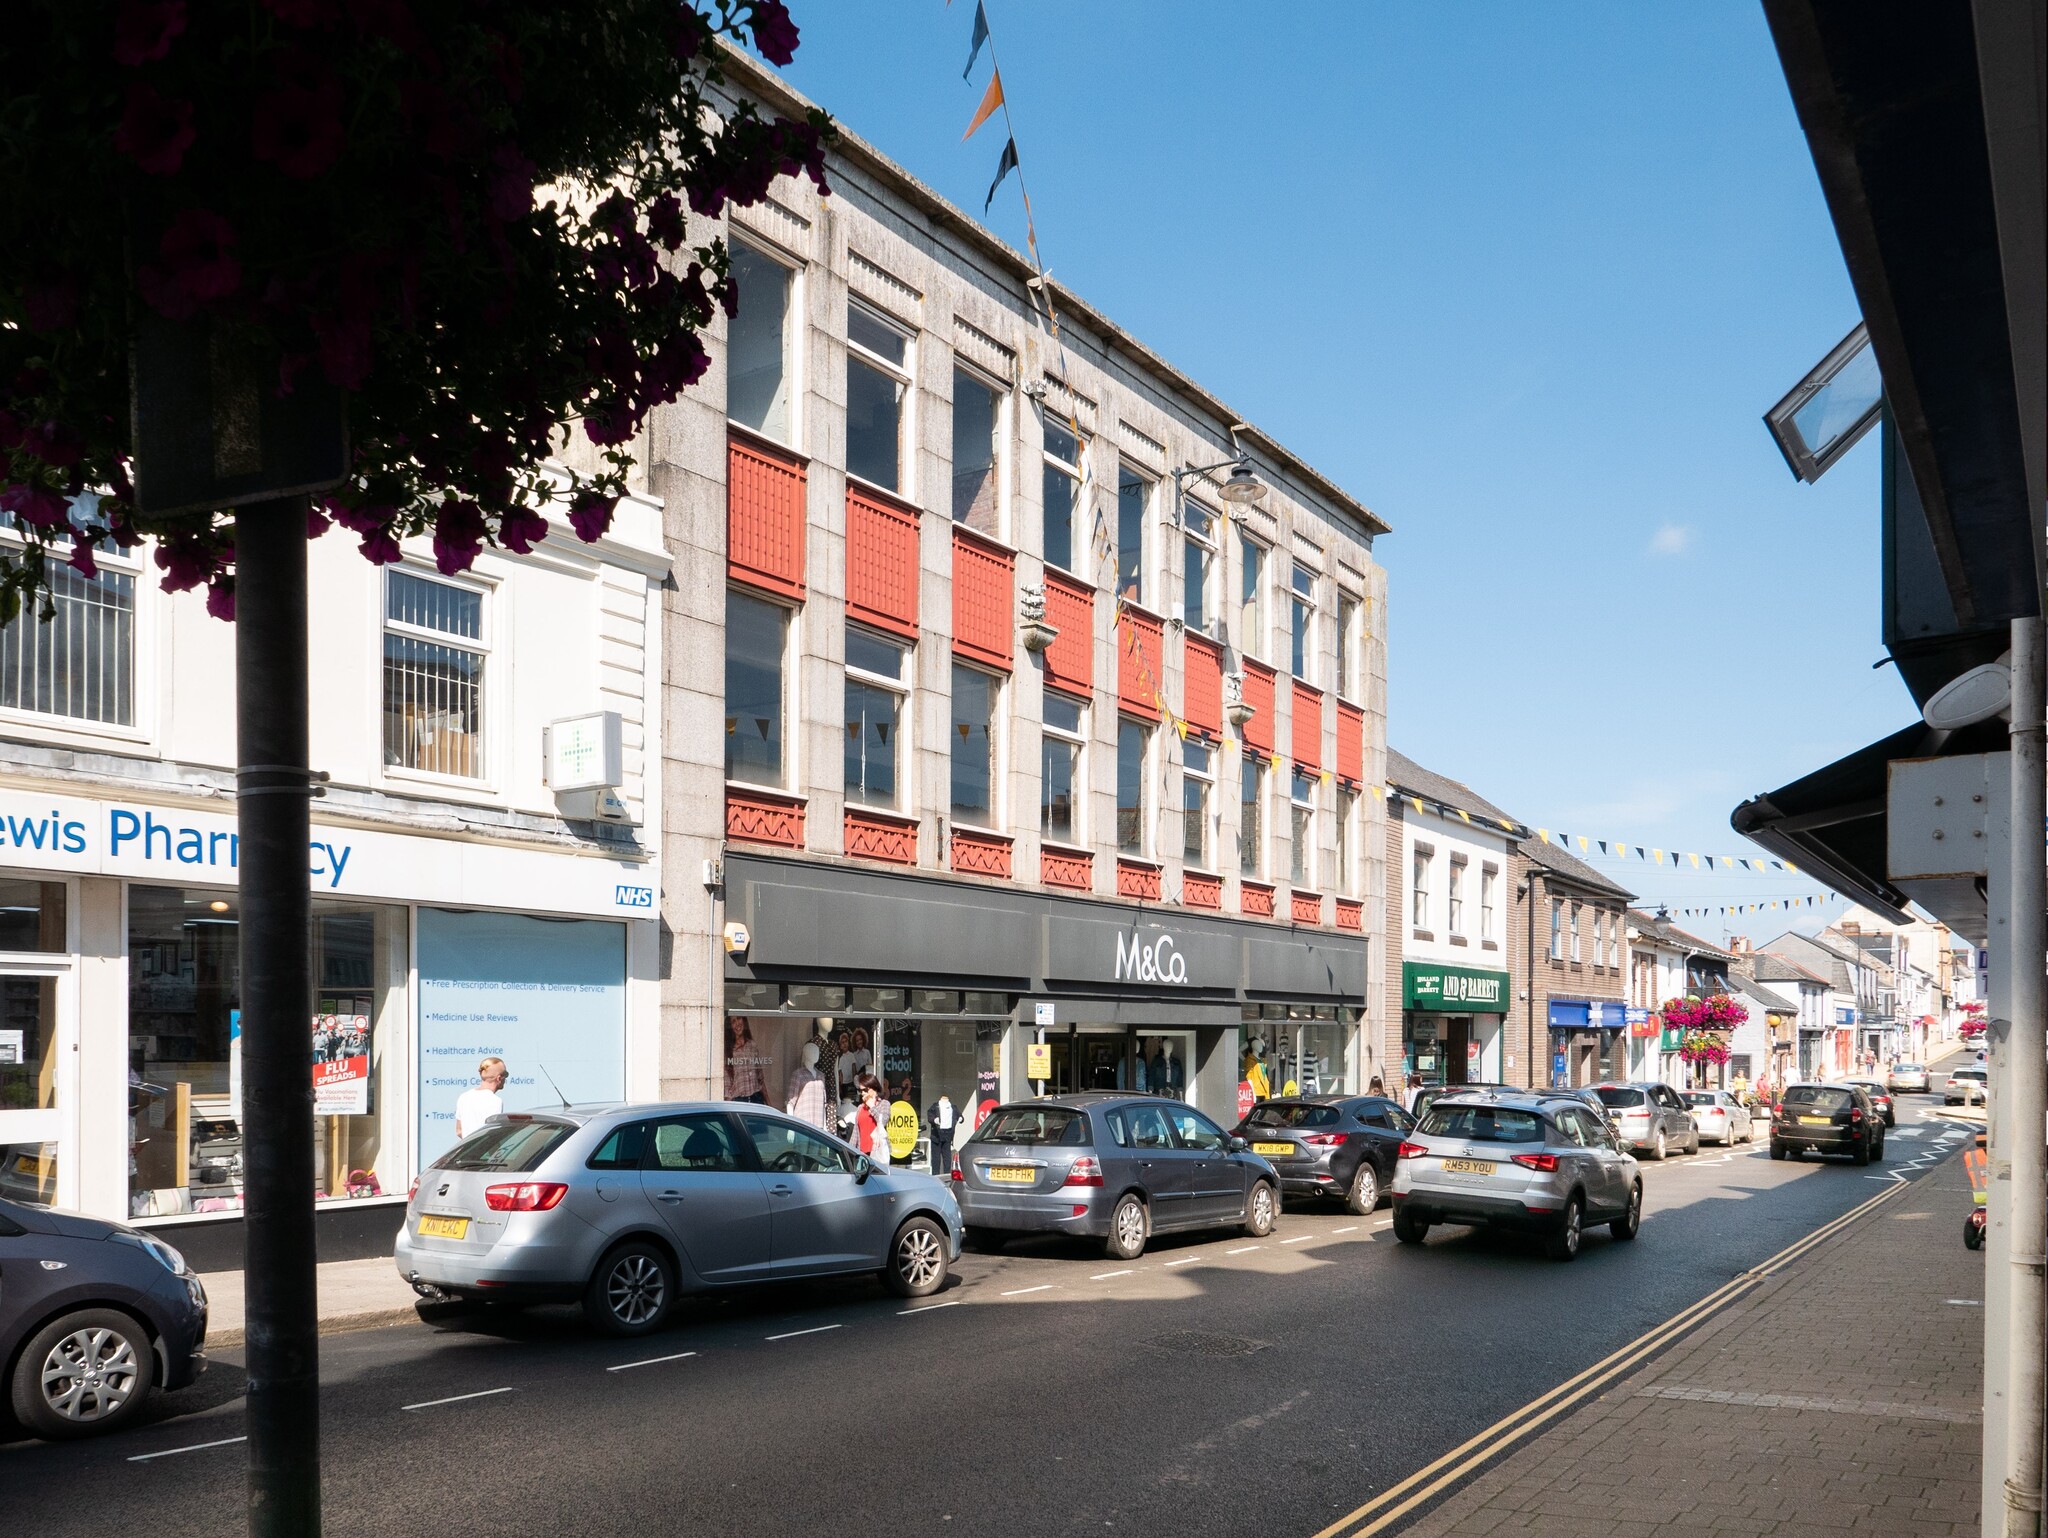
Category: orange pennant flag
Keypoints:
(991, 99)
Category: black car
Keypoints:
(1880, 1097)
(1340, 1146)
(1828, 1119)
(93, 1316)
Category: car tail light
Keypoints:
(414, 1189)
(526, 1196)
(1544, 1162)
(1087, 1171)
(1326, 1139)
(1856, 1113)
(1411, 1151)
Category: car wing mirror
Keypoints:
(863, 1167)
(1235, 1144)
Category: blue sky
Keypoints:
(1524, 279)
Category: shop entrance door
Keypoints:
(1457, 1044)
(39, 1084)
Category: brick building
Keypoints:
(1575, 956)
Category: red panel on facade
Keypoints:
(764, 516)
(1202, 689)
(1350, 743)
(874, 836)
(1201, 891)
(1134, 878)
(1070, 609)
(1255, 898)
(1066, 867)
(1307, 908)
(1140, 662)
(1350, 915)
(1308, 726)
(981, 854)
(1258, 693)
(881, 562)
(984, 614)
(764, 819)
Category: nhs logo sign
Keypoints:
(634, 897)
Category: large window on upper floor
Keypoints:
(1302, 622)
(1061, 782)
(977, 453)
(1348, 648)
(1301, 864)
(759, 372)
(435, 654)
(1347, 840)
(1133, 782)
(1251, 816)
(79, 663)
(875, 684)
(1062, 495)
(1133, 509)
(1418, 887)
(1454, 922)
(1198, 564)
(1251, 587)
(1489, 893)
(1197, 795)
(877, 389)
(756, 658)
(975, 697)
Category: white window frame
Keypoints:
(1349, 655)
(1126, 470)
(1148, 737)
(1347, 840)
(1578, 912)
(1198, 530)
(1454, 894)
(1004, 438)
(1078, 741)
(1301, 836)
(489, 696)
(1420, 861)
(1489, 891)
(1077, 534)
(1557, 929)
(792, 342)
(905, 374)
(1206, 778)
(1250, 761)
(1301, 615)
(142, 653)
(900, 688)
(1251, 610)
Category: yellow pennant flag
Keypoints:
(991, 99)
(1584, 847)
(1181, 727)
(1695, 861)
(1276, 761)
(1418, 802)
(1544, 834)
(1467, 819)
(1657, 855)
(1725, 860)
(1379, 792)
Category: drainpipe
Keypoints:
(1535, 1059)
(2027, 1089)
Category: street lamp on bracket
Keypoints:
(1241, 488)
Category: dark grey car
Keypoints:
(1118, 1168)
(93, 1316)
(1338, 1146)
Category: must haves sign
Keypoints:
(1459, 990)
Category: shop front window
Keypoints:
(1297, 1049)
(32, 917)
(184, 1050)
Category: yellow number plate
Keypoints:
(1467, 1167)
(1816, 1121)
(1009, 1176)
(1272, 1148)
(444, 1228)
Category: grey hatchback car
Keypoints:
(1118, 1168)
(623, 1207)
(1535, 1163)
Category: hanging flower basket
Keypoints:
(1716, 1012)
(1700, 1047)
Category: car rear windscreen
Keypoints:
(1613, 1099)
(1048, 1126)
(1483, 1123)
(1700, 1097)
(518, 1146)
(1293, 1116)
(1819, 1097)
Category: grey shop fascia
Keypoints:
(1103, 967)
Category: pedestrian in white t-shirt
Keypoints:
(478, 1104)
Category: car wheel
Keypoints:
(1261, 1210)
(1630, 1223)
(630, 1291)
(1364, 1195)
(917, 1259)
(82, 1374)
(1877, 1149)
(1407, 1230)
(1862, 1154)
(1777, 1149)
(1564, 1243)
(1660, 1150)
(1128, 1224)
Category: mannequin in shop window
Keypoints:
(1254, 1072)
(1170, 1075)
(828, 1050)
(804, 1097)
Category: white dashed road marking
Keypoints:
(1244, 1249)
(1103, 1276)
(1298, 1239)
(172, 1452)
(482, 1393)
(1349, 1228)
(793, 1334)
(651, 1361)
(928, 1308)
(1018, 1292)
(1188, 1261)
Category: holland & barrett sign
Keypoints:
(1456, 990)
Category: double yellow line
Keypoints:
(1389, 1507)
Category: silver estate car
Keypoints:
(1530, 1162)
(1118, 1168)
(623, 1207)
(1720, 1116)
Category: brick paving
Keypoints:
(1843, 1395)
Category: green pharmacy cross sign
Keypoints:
(1457, 990)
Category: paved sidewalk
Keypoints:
(1842, 1395)
(354, 1295)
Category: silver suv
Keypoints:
(624, 1206)
(1529, 1162)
